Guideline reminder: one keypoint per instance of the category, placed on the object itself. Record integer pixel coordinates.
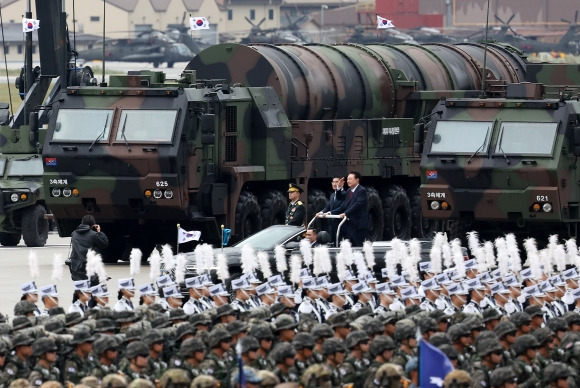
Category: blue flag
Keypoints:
(433, 366)
(226, 236)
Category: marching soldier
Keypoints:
(355, 366)
(137, 354)
(525, 366)
(241, 288)
(296, 210)
(194, 305)
(105, 350)
(192, 352)
(44, 370)
(18, 365)
(217, 362)
(77, 364)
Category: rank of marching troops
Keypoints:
(504, 326)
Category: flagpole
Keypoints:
(222, 238)
(178, 226)
(377, 15)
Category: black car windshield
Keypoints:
(268, 238)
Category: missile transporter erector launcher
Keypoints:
(510, 164)
(220, 145)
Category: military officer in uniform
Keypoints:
(296, 211)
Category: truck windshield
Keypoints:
(532, 139)
(461, 137)
(146, 126)
(82, 125)
(25, 167)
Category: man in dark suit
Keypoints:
(355, 208)
(333, 203)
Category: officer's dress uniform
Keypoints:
(78, 307)
(295, 213)
(124, 304)
(427, 305)
(308, 306)
(193, 306)
(241, 306)
(472, 308)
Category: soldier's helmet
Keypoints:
(261, 332)
(216, 336)
(458, 330)
(557, 324)
(141, 383)
(501, 375)
(137, 348)
(519, 318)
(572, 355)
(439, 339)
(133, 333)
(285, 322)
(175, 378)
(269, 379)
(388, 375)
(504, 328)
(316, 376)
(321, 330)
(555, 371)
(104, 343)
(333, 345)
(543, 335)
(449, 351)
(488, 346)
(5, 345)
(404, 331)
(43, 345)
(190, 346)
(523, 343)
(427, 324)
(380, 344)
(114, 381)
(282, 351)
(354, 338)
(457, 379)
(303, 340)
(152, 336)
(91, 382)
(24, 307)
(21, 339)
(205, 381)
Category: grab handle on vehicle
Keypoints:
(329, 216)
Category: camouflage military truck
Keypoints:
(22, 202)
(220, 145)
(507, 164)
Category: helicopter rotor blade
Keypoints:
(499, 19)
(261, 21)
(512, 18)
(249, 21)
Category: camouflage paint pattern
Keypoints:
(249, 120)
(494, 188)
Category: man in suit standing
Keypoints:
(355, 208)
(333, 203)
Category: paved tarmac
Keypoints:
(14, 271)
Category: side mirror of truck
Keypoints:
(576, 144)
(33, 123)
(207, 123)
(418, 131)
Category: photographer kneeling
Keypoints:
(86, 236)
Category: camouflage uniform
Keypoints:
(41, 375)
(480, 375)
(353, 371)
(262, 363)
(100, 370)
(289, 377)
(155, 368)
(527, 374)
(15, 368)
(75, 368)
(131, 375)
(216, 367)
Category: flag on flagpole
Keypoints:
(433, 366)
(184, 236)
(29, 25)
(198, 23)
(384, 23)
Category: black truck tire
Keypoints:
(317, 201)
(420, 227)
(397, 212)
(274, 205)
(9, 239)
(248, 217)
(34, 226)
(376, 217)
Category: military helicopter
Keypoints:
(430, 35)
(149, 46)
(272, 35)
(390, 36)
(180, 33)
(568, 43)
